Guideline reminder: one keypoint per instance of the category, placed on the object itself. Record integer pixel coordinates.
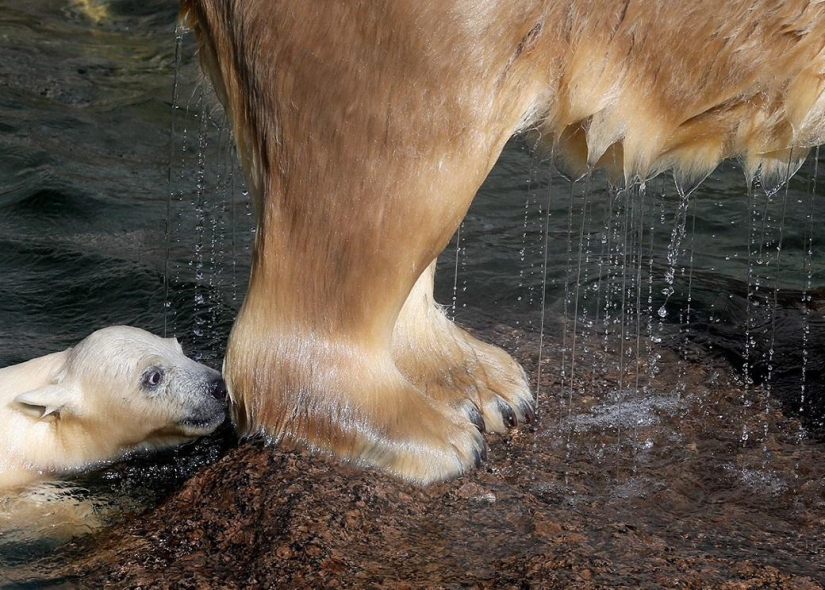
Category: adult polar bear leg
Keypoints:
(452, 366)
(362, 164)
(365, 128)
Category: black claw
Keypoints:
(480, 455)
(529, 413)
(477, 419)
(507, 414)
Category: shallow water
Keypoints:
(118, 207)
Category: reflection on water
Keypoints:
(104, 220)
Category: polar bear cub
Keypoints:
(119, 390)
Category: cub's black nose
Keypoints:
(217, 387)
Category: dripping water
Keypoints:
(576, 317)
(807, 280)
(179, 29)
(544, 270)
(566, 320)
(199, 206)
(455, 271)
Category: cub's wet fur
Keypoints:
(119, 390)
(365, 129)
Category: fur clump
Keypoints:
(640, 88)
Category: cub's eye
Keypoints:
(152, 377)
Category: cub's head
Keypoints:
(124, 389)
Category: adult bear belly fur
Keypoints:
(365, 128)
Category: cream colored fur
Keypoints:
(365, 129)
(91, 404)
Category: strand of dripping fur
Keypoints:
(752, 90)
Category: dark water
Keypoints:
(116, 208)
(84, 182)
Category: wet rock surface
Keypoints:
(607, 490)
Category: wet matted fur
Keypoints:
(119, 390)
(365, 129)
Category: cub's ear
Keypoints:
(45, 403)
(174, 342)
